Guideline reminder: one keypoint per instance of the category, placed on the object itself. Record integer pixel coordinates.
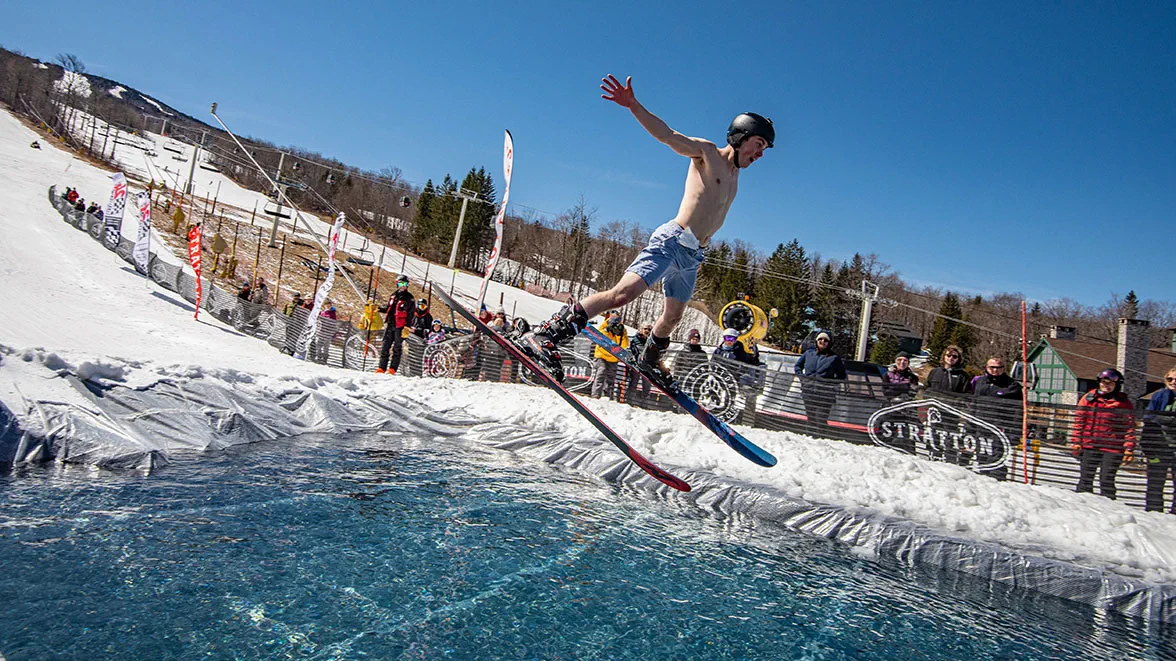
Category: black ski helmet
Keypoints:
(748, 124)
(1112, 374)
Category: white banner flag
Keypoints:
(507, 169)
(114, 210)
(323, 290)
(142, 250)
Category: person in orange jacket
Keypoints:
(1103, 437)
(605, 372)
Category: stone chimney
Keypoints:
(1063, 333)
(1131, 357)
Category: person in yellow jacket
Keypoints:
(604, 375)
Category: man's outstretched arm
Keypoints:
(623, 96)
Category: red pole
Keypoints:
(1024, 396)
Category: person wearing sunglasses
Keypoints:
(950, 376)
(1159, 443)
(1103, 437)
(988, 389)
(818, 393)
(732, 349)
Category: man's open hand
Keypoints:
(614, 91)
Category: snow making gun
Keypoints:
(748, 319)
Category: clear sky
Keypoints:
(979, 146)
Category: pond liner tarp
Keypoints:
(140, 427)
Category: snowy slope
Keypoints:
(70, 305)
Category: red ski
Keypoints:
(542, 375)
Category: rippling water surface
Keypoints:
(390, 547)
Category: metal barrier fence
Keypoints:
(1066, 445)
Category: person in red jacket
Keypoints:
(1104, 433)
(401, 311)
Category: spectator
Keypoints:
(99, 213)
(423, 320)
(692, 356)
(605, 374)
(899, 379)
(436, 333)
(1104, 434)
(398, 324)
(71, 195)
(92, 208)
(498, 322)
(80, 205)
(732, 349)
(819, 393)
(1159, 443)
(637, 387)
(293, 305)
(294, 325)
(950, 376)
(260, 294)
(995, 384)
(821, 361)
(428, 358)
(325, 333)
(245, 291)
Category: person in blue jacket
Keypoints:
(821, 361)
(818, 393)
(1159, 443)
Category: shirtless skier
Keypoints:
(675, 249)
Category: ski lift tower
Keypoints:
(279, 212)
(466, 195)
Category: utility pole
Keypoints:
(281, 195)
(192, 169)
(466, 195)
(869, 295)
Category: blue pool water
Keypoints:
(385, 547)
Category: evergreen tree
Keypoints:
(945, 330)
(477, 232)
(424, 227)
(825, 300)
(711, 273)
(884, 350)
(737, 279)
(780, 288)
(448, 208)
(1131, 305)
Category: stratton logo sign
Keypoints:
(941, 428)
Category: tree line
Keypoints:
(577, 252)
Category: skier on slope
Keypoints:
(675, 249)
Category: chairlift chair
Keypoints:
(275, 209)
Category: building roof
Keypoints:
(897, 329)
(1086, 358)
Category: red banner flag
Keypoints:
(194, 259)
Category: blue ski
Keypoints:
(548, 380)
(732, 438)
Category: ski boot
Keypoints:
(540, 343)
(650, 363)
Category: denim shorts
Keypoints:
(672, 256)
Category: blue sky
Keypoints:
(978, 146)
